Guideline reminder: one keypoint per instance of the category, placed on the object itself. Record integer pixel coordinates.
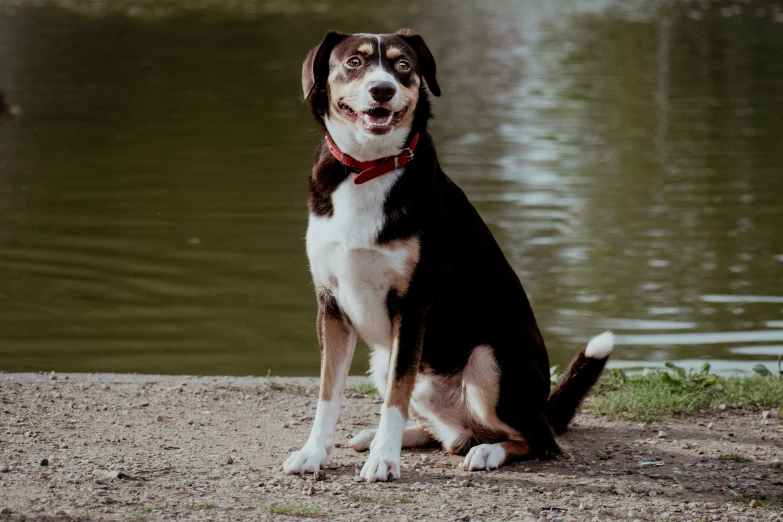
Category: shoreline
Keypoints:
(170, 447)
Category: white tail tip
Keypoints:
(600, 346)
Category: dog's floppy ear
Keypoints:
(426, 61)
(315, 69)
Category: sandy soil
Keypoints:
(151, 447)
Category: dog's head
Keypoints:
(367, 89)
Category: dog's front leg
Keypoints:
(383, 464)
(337, 340)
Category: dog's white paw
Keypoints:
(363, 441)
(484, 457)
(306, 460)
(383, 465)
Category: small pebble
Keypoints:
(662, 434)
(319, 475)
(286, 424)
(653, 493)
(44, 462)
(229, 460)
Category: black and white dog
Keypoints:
(401, 258)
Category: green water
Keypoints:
(627, 155)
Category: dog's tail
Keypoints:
(577, 380)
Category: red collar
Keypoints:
(374, 168)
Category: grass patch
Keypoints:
(365, 388)
(294, 510)
(142, 513)
(661, 394)
(272, 384)
(734, 457)
(380, 499)
(764, 502)
(198, 506)
(431, 492)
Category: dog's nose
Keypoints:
(382, 91)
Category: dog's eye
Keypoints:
(353, 62)
(403, 66)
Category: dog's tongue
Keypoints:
(377, 117)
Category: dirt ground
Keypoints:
(151, 447)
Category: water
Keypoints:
(627, 155)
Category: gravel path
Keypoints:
(152, 447)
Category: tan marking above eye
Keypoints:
(393, 52)
(366, 48)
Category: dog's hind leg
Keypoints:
(509, 405)
(413, 437)
(522, 399)
(337, 339)
(492, 456)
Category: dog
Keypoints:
(401, 258)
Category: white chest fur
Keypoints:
(346, 259)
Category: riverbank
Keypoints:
(152, 447)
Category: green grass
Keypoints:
(734, 457)
(431, 492)
(663, 394)
(198, 506)
(774, 503)
(294, 510)
(142, 513)
(365, 388)
(380, 499)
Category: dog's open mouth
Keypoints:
(378, 120)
